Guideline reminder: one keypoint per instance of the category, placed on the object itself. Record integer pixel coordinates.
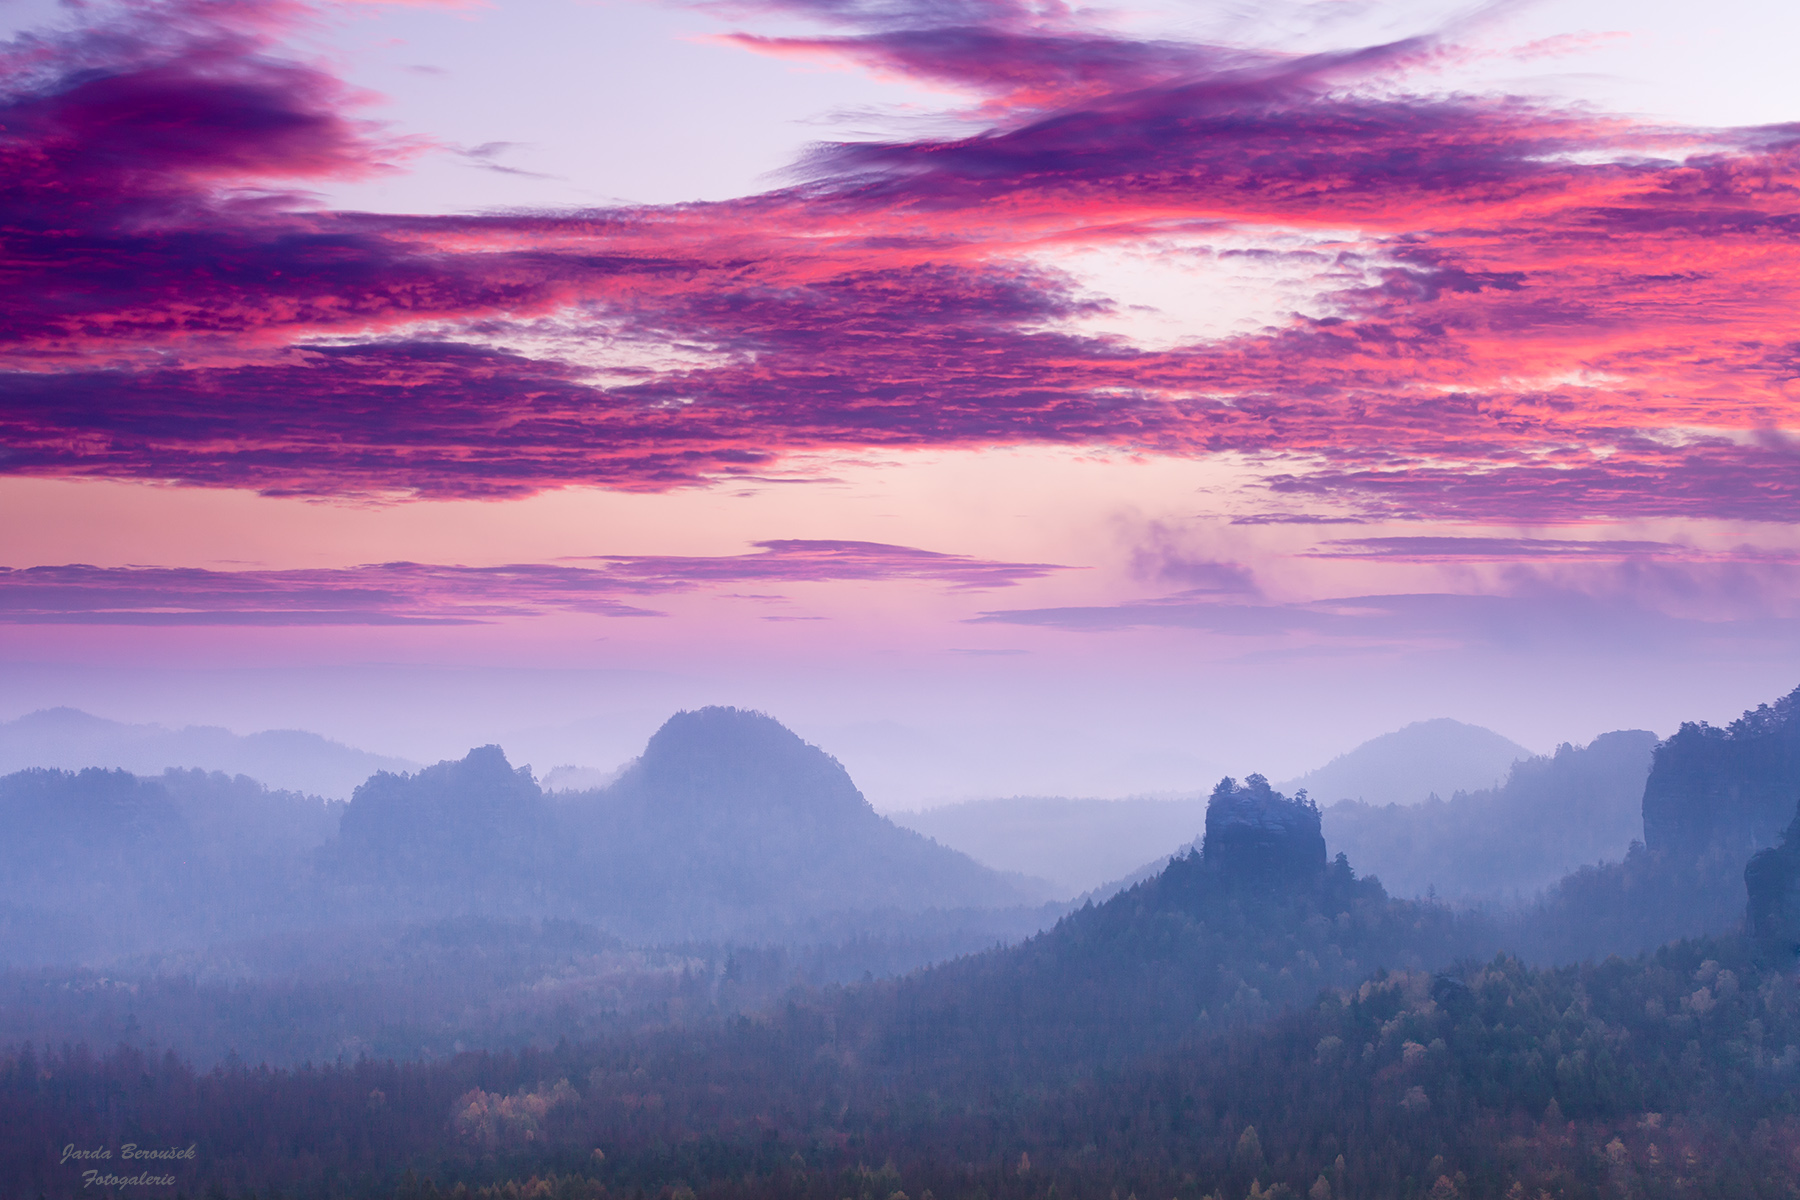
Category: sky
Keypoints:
(1011, 397)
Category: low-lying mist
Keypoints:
(730, 865)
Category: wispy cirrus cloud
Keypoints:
(405, 593)
(1536, 314)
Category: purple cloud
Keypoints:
(1492, 549)
(1548, 321)
(1542, 619)
(1162, 555)
(423, 594)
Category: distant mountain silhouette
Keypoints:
(1407, 766)
(1729, 791)
(471, 836)
(285, 759)
(103, 861)
(728, 826)
(1554, 814)
(1078, 844)
(728, 823)
(1717, 804)
(729, 819)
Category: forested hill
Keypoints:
(1726, 792)
(1670, 1075)
(1673, 1075)
(1554, 814)
(729, 826)
(1714, 797)
(1255, 922)
(1255, 1020)
(729, 819)
(99, 863)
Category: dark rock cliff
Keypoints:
(1715, 797)
(1255, 833)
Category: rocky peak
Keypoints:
(474, 807)
(1254, 832)
(735, 762)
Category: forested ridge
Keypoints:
(1554, 814)
(1672, 1074)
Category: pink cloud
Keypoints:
(1552, 319)
(797, 561)
(426, 594)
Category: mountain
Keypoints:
(727, 824)
(1438, 757)
(1554, 814)
(1076, 844)
(102, 862)
(1714, 801)
(1254, 922)
(1729, 791)
(471, 836)
(1253, 1015)
(284, 759)
(728, 821)
(1255, 1020)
